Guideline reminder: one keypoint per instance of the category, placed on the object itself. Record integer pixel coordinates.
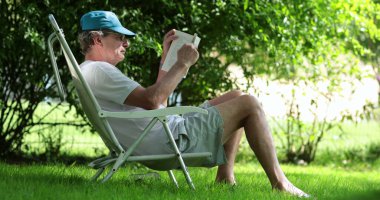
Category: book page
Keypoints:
(182, 39)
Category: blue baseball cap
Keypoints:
(99, 20)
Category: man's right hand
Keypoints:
(156, 95)
(187, 55)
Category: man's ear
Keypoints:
(97, 41)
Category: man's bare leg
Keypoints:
(245, 111)
(225, 172)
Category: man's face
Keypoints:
(114, 45)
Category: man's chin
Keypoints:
(121, 58)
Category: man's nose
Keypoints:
(126, 43)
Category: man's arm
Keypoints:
(161, 74)
(168, 39)
(153, 96)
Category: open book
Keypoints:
(182, 39)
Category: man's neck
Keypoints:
(95, 56)
(92, 56)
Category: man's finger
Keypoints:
(171, 32)
(171, 38)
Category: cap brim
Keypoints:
(123, 31)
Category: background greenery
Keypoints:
(292, 41)
(288, 40)
(351, 145)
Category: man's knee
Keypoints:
(236, 93)
(250, 102)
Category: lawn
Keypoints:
(72, 182)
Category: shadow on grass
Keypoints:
(370, 195)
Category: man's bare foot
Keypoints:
(290, 189)
(226, 180)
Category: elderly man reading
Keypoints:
(104, 42)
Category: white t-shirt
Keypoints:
(111, 87)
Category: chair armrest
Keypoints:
(179, 110)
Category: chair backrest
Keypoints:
(86, 97)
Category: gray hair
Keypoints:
(86, 39)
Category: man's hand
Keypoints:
(168, 38)
(187, 55)
(157, 94)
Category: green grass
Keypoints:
(72, 182)
(358, 144)
(353, 135)
(73, 140)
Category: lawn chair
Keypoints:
(98, 119)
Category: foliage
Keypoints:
(317, 41)
(52, 144)
(24, 77)
(263, 37)
(368, 153)
(317, 31)
(300, 138)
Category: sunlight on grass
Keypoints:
(72, 182)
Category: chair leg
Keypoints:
(124, 155)
(181, 162)
(186, 173)
(120, 160)
(98, 173)
(109, 175)
(172, 177)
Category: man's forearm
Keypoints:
(161, 74)
(166, 83)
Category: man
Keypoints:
(104, 42)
